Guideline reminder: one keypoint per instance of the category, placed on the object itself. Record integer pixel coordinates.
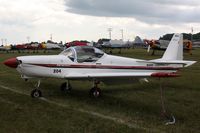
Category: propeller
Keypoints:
(148, 49)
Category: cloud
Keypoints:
(34, 18)
(70, 20)
(149, 11)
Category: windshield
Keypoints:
(88, 54)
(69, 53)
(83, 53)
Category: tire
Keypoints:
(36, 93)
(95, 92)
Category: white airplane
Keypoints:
(90, 63)
(52, 46)
(116, 44)
(5, 48)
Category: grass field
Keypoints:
(122, 108)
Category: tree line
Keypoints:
(187, 36)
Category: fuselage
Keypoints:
(88, 62)
(59, 66)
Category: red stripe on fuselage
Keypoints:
(105, 66)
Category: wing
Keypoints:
(106, 75)
(119, 75)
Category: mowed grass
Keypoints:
(122, 108)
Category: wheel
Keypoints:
(36, 93)
(65, 87)
(95, 92)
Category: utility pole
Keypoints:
(192, 34)
(109, 31)
(5, 41)
(2, 41)
(28, 39)
(122, 32)
(51, 37)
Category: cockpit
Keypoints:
(83, 54)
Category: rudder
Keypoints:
(174, 50)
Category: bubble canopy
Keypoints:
(83, 54)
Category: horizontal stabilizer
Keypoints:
(160, 61)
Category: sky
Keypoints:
(67, 20)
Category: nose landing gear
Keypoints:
(36, 92)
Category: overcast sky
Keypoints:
(69, 20)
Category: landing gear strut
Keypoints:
(36, 92)
(66, 86)
(95, 91)
(170, 118)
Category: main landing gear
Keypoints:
(66, 86)
(170, 118)
(36, 92)
(95, 91)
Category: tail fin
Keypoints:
(175, 48)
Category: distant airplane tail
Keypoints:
(174, 50)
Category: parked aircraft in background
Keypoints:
(77, 43)
(33, 46)
(5, 48)
(163, 44)
(113, 44)
(196, 44)
(139, 43)
(50, 45)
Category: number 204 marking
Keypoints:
(56, 70)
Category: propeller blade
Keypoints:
(149, 47)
